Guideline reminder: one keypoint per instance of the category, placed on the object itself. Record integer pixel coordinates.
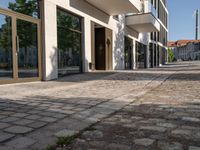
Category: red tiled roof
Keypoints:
(171, 44)
(182, 43)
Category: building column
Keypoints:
(50, 41)
(87, 50)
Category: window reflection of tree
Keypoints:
(5, 43)
(69, 40)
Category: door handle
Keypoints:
(17, 44)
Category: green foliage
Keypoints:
(63, 141)
(6, 33)
(50, 147)
(170, 55)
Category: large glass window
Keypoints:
(27, 43)
(6, 69)
(69, 43)
(27, 7)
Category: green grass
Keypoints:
(64, 141)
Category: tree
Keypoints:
(170, 55)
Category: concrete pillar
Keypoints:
(50, 41)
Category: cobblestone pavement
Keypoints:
(145, 109)
(165, 118)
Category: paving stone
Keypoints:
(48, 119)
(33, 117)
(144, 142)
(194, 148)
(4, 125)
(37, 124)
(167, 125)
(18, 129)
(59, 116)
(153, 128)
(5, 136)
(93, 134)
(10, 119)
(182, 133)
(131, 126)
(20, 115)
(23, 122)
(21, 142)
(191, 119)
(2, 116)
(34, 112)
(6, 148)
(65, 133)
(170, 146)
(68, 112)
(114, 146)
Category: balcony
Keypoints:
(143, 22)
(146, 21)
(116, 7)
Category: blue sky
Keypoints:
(182, 22)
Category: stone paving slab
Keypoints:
(164, 118)
(69, 106)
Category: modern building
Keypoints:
(186, 49)
(48, 39)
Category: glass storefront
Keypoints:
(27, 7)
(69, 43)
(19, 41)
(6, 69)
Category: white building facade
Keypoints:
(190, 51)
(73, 36)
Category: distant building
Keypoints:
(186, 49)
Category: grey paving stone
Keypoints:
(6, 148)
(33, 117)
(5, 136)
(131, 126)
(65, 133)
(2, 116)
(37, 124)
(23, 122)
(153, 128)
(10, 119)
(4, 125)
(59, 116)
(48, 119)
(68, 112)
(167, 125)
(34, 112)
(93, 134)
(20, 115)
(144, 142)
(18, 129)
(191, 119)
(21, 142)
(114, 146)
(181, 132)
(194, 148)
(170, 146)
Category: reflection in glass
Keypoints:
(69, 43)
(6, 70)
(128, 53)
(141, 55)
(27, 49)
(27, 7)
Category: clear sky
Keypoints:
(182, 22)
